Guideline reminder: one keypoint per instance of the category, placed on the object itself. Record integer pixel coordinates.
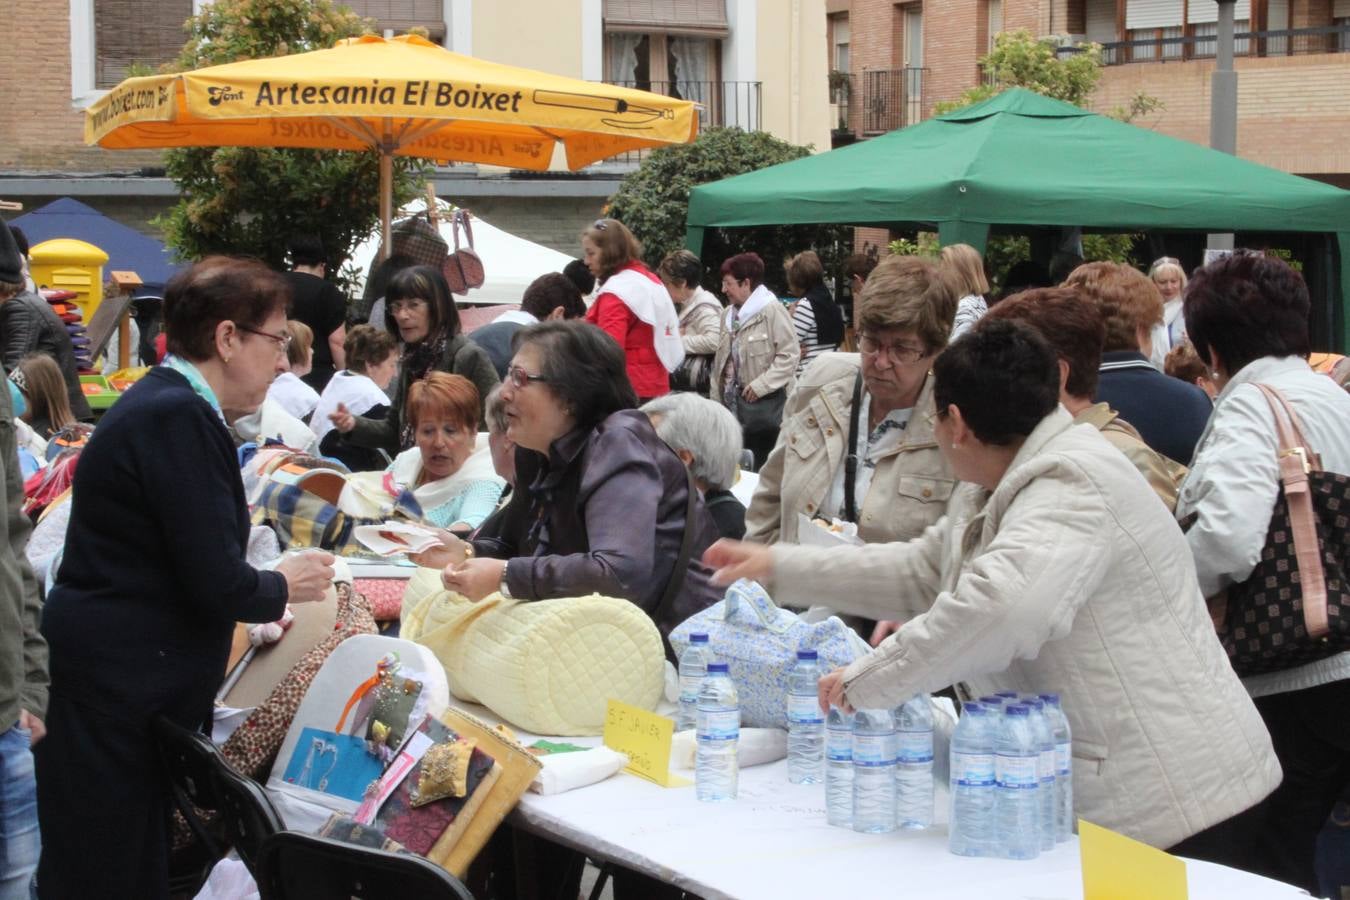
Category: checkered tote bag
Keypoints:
(1295, 607)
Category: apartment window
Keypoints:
(839, 41)
(1100, 21)
(1340, 17)
(672, 47)
(145, 32)
(1203, 17)
(994, 21)
(1154, 20)
(398, 16)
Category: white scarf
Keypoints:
(356, 392)
(293, 395)
(407, 469)
(649, 300)
(753, 306)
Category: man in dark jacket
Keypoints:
(29, 325)
(23, 652)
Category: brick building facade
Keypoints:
(1293, 102)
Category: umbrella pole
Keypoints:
(386, 200)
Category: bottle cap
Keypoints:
(1010, 695)
(807, 654)
(1051, 698)
(698, 637)
(717, 667)
(975, 706)
(992, 700)
(1016, 709)
(1034, 703)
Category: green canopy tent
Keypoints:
(1023, 159)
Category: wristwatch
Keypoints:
(504, 588)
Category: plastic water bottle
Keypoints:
(693, 666)
(971, 830)
(806, 723)
(1059, 726)
(1045, 769)
(1007, 697)
(873, 771)
(914, 763)
(839, 768)
(1017, 812)
(719, 728)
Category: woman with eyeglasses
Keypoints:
(601, 503)
(421, 311)
(633, 307)
(857, 440)
(153, 580)
(1170, 279)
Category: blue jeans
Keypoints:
(19, 841)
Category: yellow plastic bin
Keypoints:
(70, 265)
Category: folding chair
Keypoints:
(247, 814)
(190, 759)
(299, 866)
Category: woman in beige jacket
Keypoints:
(756, 360)
(900, 481)
(1054, 569)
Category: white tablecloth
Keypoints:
(773, 842)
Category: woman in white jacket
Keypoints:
(1055, 568)
(1248, 319)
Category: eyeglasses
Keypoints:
(412, 304)
(283, 340)
(1165, 261)
(898, 352)
(519, 378)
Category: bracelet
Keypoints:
(504, 588)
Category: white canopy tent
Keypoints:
(510, 263)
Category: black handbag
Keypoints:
(1295, 606)
(762, 415)
(694, 374)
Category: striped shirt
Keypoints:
(804, 322)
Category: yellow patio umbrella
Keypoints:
(400, 96)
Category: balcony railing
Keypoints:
(1169, 47)
(891, 98)
(722, 103)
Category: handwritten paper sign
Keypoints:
(645, 738)
(1118, 868)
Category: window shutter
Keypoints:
(1199, 11)
(1101, 21)
(149, 32)
(1152, 14)
(697, 18)
(1341, 9)
(400, 15)
(1277, 14)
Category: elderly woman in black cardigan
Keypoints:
(601, 502)
(153, 581)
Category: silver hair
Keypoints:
(495, 407)
(705, 428)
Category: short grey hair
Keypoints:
(495, 409)
(705, 428)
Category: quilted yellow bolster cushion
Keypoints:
(545, 666)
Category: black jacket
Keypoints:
(603, 513)
(1169, 414)
(29, 325)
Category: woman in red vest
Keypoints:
(633, 306)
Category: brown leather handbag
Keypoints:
(1295, 607)
(463, 269)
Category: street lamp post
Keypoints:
(1223, 101)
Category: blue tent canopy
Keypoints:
(127, 248)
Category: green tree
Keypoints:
(248, 200)
(653, 202)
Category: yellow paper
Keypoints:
(1119, 868)
(645, 738)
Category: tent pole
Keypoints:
(386, 200)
